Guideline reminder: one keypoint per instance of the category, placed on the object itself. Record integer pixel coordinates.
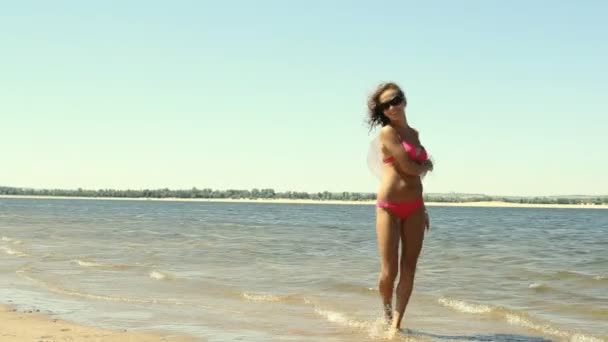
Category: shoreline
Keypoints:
(32, 325)
(484, 204)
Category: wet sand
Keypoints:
(31, 325)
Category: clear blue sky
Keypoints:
(510, 97)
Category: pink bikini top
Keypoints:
(417, 154)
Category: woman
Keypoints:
(400, 213)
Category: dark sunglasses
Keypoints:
(395, 101)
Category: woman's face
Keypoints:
(392, 103)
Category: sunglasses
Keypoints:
(395, 101)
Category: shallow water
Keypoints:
(260, 272)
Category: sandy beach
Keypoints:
(30, 325)
(494, 204)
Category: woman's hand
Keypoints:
(427, 220)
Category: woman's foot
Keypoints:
(394, 331)
(388, 314)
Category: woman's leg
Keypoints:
(412, 235)
(387, 231)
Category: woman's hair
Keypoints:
(375, 113)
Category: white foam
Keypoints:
(11, 251)
(519, 320)
(94, 263)
(342, 319)
(92, 296)
(584, 338)
(581, 274)
(536, 285)
(24, 269)
(465, 307)
(11, 240)
(88, 263)
(376, 329)
(159, 275)
(261, 297)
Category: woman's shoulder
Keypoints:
(388, 131)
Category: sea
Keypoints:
(303, 272)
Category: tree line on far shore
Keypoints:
(208, 193)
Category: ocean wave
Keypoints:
(523, 321)
(272, 298)
(538, 286)
(157, 275)
(375, 328)
(579, 275)
(341, 286)
(547, 289)
(13, 252)
(11, 240)
(465, 307)
(88, 263)
(154, 274)
(516, 318)
(99, 264)
(585, 338)
(342, 319)
(268, 298)
(72, 293)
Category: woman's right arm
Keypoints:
(391, 142)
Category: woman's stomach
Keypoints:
(394, 187)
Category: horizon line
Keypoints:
(295, 191)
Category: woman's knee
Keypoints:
(408, 266)
(388, 275)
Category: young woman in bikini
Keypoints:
(400, 212)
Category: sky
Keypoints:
(509, 97)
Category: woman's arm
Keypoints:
(392, 143)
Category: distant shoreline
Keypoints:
(486, 204)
